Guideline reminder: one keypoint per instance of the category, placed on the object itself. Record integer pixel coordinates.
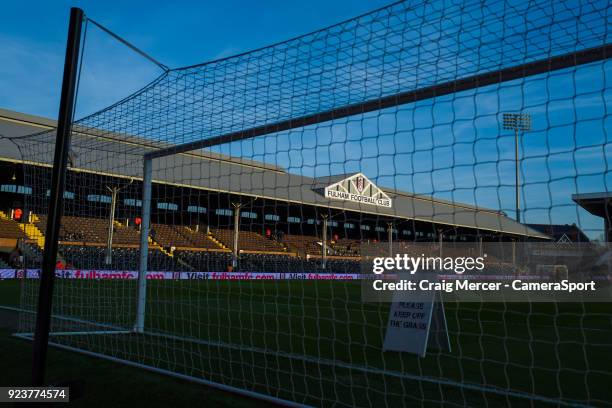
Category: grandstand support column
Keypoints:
(390, 237)
(237, 207)
(56, 201)
(111, 221)
(147, 179)
(514, 256)
(324, 243)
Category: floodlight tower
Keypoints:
(517, 122)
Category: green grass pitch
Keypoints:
(315, 342)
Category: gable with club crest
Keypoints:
(358, 188)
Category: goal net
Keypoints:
(214, 220)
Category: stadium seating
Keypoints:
(125, 235)
(197, 237)
(10, 229)
(167, 236)
(289, 264)
(94, 257)
(347, 247)
(248, 241)
(181, 236)
(303, 244)
(204, 261)
(91, 230)
(343, 266)
(32, 254)
(271, 263)
(197, 248)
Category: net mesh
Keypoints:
(405, 101)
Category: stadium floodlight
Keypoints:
(517, 122)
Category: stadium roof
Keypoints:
(30, 139)
(599, 204)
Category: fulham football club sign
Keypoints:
(359, 189)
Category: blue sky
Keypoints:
(33, 38)
(450, 147)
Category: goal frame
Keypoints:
(544, 65)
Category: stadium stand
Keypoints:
(91, 230)
(168, 236)
(201, 241)
(32, 255)
(125, 235)
(303, 245)
(271, 263)
(180, 236)
(347, 247)
(10, 229)
(94, 257)
(204, 261)
(289, 264)
(248, 241)
(197, 237)
(73, 229)
(196, 248)
(343, 266)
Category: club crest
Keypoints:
(359, 184)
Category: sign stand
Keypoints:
(417, 324)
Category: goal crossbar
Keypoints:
(471, 82)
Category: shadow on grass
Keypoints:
(101, 383)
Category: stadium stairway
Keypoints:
(216, 241)
(155, 245)
(29, 229)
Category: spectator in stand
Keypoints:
(230, 268)
(17, 214)
(59, 265)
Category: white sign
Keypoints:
(415, 324)
(359, 189)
